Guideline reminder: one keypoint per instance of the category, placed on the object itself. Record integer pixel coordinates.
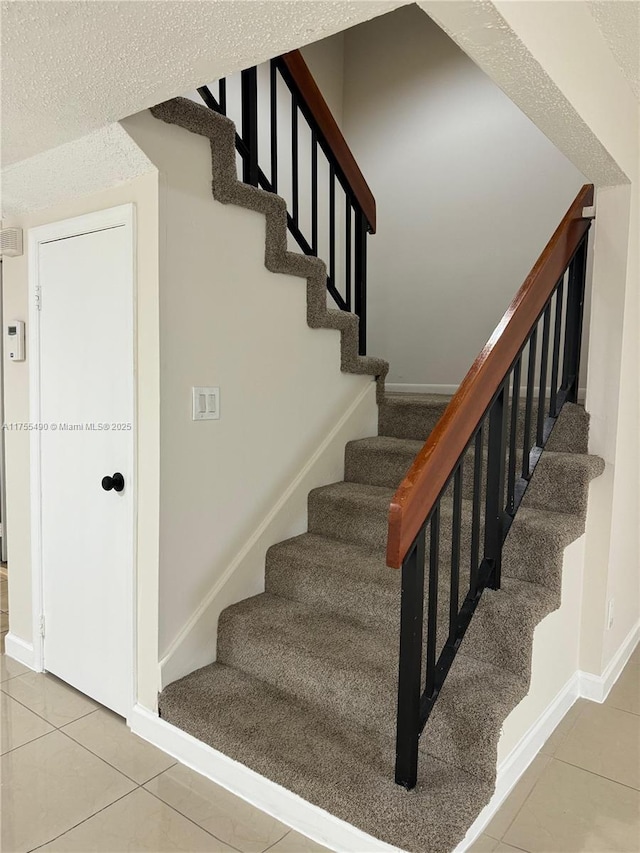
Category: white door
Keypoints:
(86, 410)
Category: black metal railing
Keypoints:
(492, 472)
(290, 144)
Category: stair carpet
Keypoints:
(304, 687)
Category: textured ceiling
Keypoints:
(102, 159)
(484, 35)
(619, 23)
(69, 68)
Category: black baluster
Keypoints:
(455, 549)
(332, 225)
(360, 287)
(493, 522)
(573, 327)
(555, 361)
(273, 126)
(222, 95)
(528, 411)
(432, 604)
(544, 362)
(207, 96)
(249, 89)
(410, 671)
(515, 404)
(475, 519)
(294, 159)
(314, 192)
(347, 249)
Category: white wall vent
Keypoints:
(10, 242)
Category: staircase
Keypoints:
(308, 688)
(304, 687)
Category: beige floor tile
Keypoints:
(138, 822)
(10, 668)
(564, 727)
(3, 634)
(19, 725)
(605, 741)
(625, 693)
(50, 785)
(49, 697)
(217, 810)
(4, 622)
(484, 844)
(511, 806)
(507, 848)
(294, 842)
(4, 595)
(107, 735)
(573, 811)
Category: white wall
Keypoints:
(226, 321)
(608, 105)
(468, 193)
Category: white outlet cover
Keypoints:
(206, 403)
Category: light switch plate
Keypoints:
(206, 403)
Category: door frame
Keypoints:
(101, 220)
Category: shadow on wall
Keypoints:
(468, 193)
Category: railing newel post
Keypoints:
(249, 90)
(410, 671)
(360, 285)
(573, 329)
(494, 511)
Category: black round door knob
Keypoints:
(116, 483)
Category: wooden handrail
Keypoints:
(432, 467)
(312, 96)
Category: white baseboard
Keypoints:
(404, 388)
(271, 798)
(409, 388)
(21, 651)
(597, 687)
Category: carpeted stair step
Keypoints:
(326, 762)
(533, 550)
(315, 656)
(501, 631)
(353, 582)
(380, 460)
(410, 416)
(560, 481)
(353, 512)
(413, 417)
(571, 431)
(352, 673)
(344, 578)
(461, 729)
(350, 512)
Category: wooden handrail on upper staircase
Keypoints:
(432, 467)
(314, 100)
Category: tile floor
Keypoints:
(74, 778)
(581, 794)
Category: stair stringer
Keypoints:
(227, 189)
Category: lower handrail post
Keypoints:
(410, 669)
(494, 514)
